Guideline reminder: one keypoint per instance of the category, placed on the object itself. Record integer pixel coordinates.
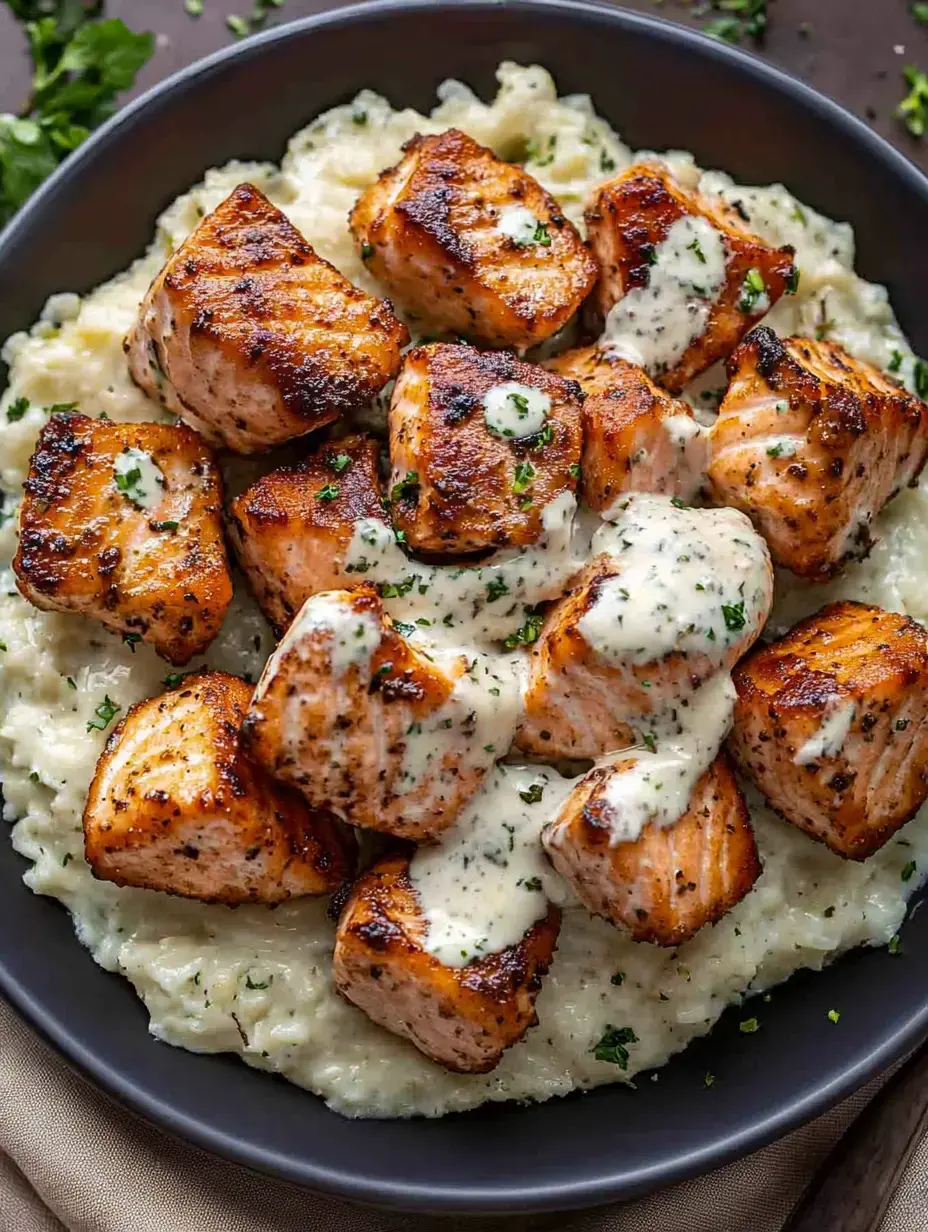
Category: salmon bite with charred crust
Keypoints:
(811, 443)
(389, 735)
(462, 1017)
(473, 244)
(252, 338)
(480, 444)
(831, 723)
(292, 528)
(174, 806)
(680, 272)
(670, 880)
(636, 437)
(122, 522)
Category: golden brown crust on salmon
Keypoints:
(292, 528)
(429, 230)
(631, 215)
(636, 437)
(811, 443)
(175, 806)
(339, 724)
(672, 880)
(252, 338)
(831, 723)
(458, 486)
(462, 1017)
(159, 572)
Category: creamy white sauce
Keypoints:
(521, 226)
(256, 982)
(478, 719)
(514, 410)
(139, 478)
(354, 635)
(474, 605)
(658, 787)
(652, 326)
(829, 739)
(487, 882)
(694, 581)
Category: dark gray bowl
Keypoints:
(660, 86)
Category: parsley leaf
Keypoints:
(611, 1046)
(80, 63)
(734, 615)
(105, 712)
(17, 409)
(913, 110)
(527, 632)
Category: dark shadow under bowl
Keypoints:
(660, 86)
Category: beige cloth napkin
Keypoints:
(72, 1160)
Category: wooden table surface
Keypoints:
(855, 50)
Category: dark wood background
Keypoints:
(855, 50)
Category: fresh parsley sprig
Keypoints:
(80, 62)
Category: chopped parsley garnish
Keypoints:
(920, 12)
(748, 1026)
(774, 451)
(533, 883)
(526, 633)
(734, 615)
(920, 376)
(407, 487)
(834, 1015)
(696, 249)
(525, 473)
(709, 1078)
(908, 871)
(403, 628)
(894, 944)
(612, 1046)
(574, 470)
(496, 588)
(539, 236)
(328, 492)
(618, 978)
(173, 679)
(164, 525)
(194, 7)
(396, 590)
(367, 251)
(338, 462)
(132, 640)
(253, 984)
(237, 25)
(105, 713)
(359, 117)
(127, 475)
(678, 503)
(650, 741)
(72, 683)
(17, 409)
(895, 362)
(533, 793)
(544, 437)
(752, 289)
(744, 18)
(792, 280)
(913, 110)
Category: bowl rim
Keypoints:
(423, 1197)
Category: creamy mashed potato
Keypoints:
(256, 981)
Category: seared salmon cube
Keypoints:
(670, 880)
(681, 277)
(252, 338)
(672, 597)
(471, 244)
(462, 1017)
(831, 723)
(636, 437)
(175, 806)
(388, 735)
(293, 527)
(811, 443)
(122, 522)
(480, 444)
